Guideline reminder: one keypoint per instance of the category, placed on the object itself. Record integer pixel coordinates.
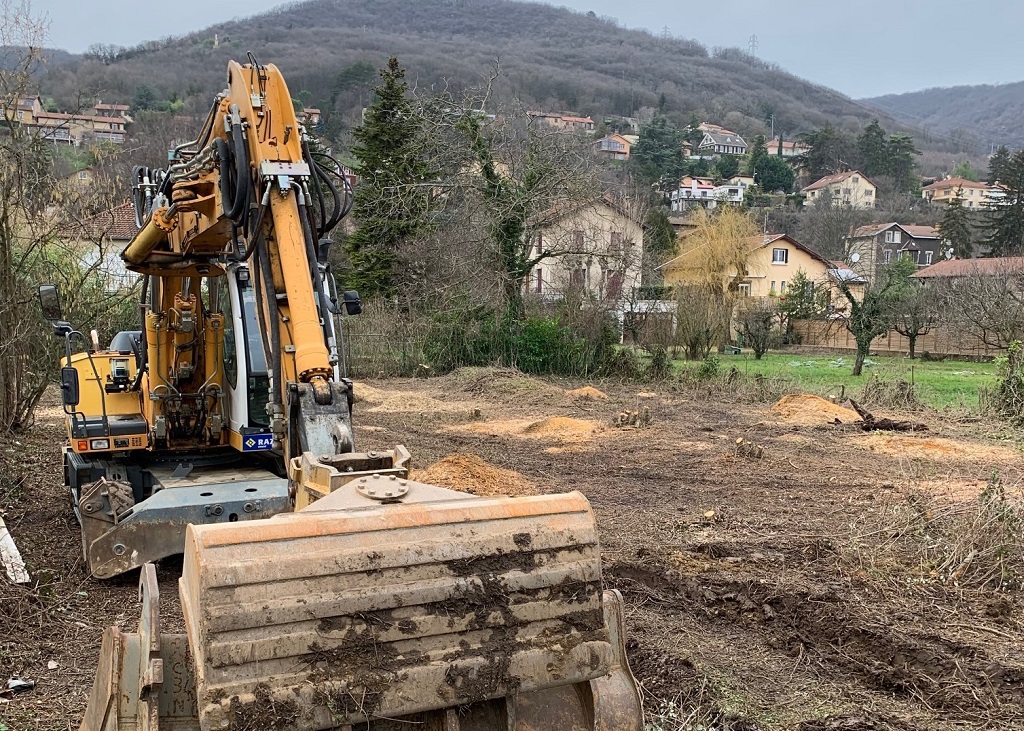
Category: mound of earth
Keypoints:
(808, 409)
(469, 473)
(506, 385)
(401, 401)
(589, 393)
(936, 448)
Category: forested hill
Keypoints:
(992, 113)
(551, 58)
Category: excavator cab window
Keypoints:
(257, 370)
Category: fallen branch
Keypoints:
(870, 423)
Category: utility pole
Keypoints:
(752, 44)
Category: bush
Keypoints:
(537, 344)
(708, 368)
(1010, 392)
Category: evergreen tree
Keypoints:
(758, 152)
(998, 164)
(900, 151)
(873, 150)
(658, 156)
(774, 173)
(391, 200)
(1006, 231)
(955, 228)
(831, 151)
(728, 166)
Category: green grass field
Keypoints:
(937, 384)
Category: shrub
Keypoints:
(1010, 392)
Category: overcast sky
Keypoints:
(862, 48)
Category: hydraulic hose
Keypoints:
(234, 165)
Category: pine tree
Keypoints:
(758, 151)
(391, 200)
(658, 156)
(998, 164)
(1007, 227)
(900, 151)
(872, 146)
(955, 228)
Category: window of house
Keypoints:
(82, 175)
(744, 289)
(780, 256)
(578, 278)
(612, 284)
(615, 249)
(886, 256)
(772, 288)
(868, 193)
(782, 287)
(855, 180)
(540, 244)
(893, 237)
(927, 258)
(971, 192)
(577, 238)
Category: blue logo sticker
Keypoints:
(257, 442)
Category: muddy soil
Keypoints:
(832, 583)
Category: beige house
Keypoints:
(973, 195)
(851, 188)
(595, 249)
(773, 263)
(613, 147)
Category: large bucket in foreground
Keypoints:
(456, 613)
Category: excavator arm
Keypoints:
(245, 190)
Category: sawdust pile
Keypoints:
(469, 473)
(588, 393)
(808, 409)
(561, 426)
(556, 428)
(936, 448)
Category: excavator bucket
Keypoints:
(447, 611)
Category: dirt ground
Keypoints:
(841, 580)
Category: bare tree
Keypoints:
(38, 209)
(757, 321)
(702, 319)
(915, 314)
(987, 303)
(828, 224)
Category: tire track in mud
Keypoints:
(948, 678)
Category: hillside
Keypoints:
(991, 114)
(551, 58)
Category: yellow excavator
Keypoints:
(322, 588)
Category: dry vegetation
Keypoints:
(826, 580)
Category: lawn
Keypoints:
(937, 383)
